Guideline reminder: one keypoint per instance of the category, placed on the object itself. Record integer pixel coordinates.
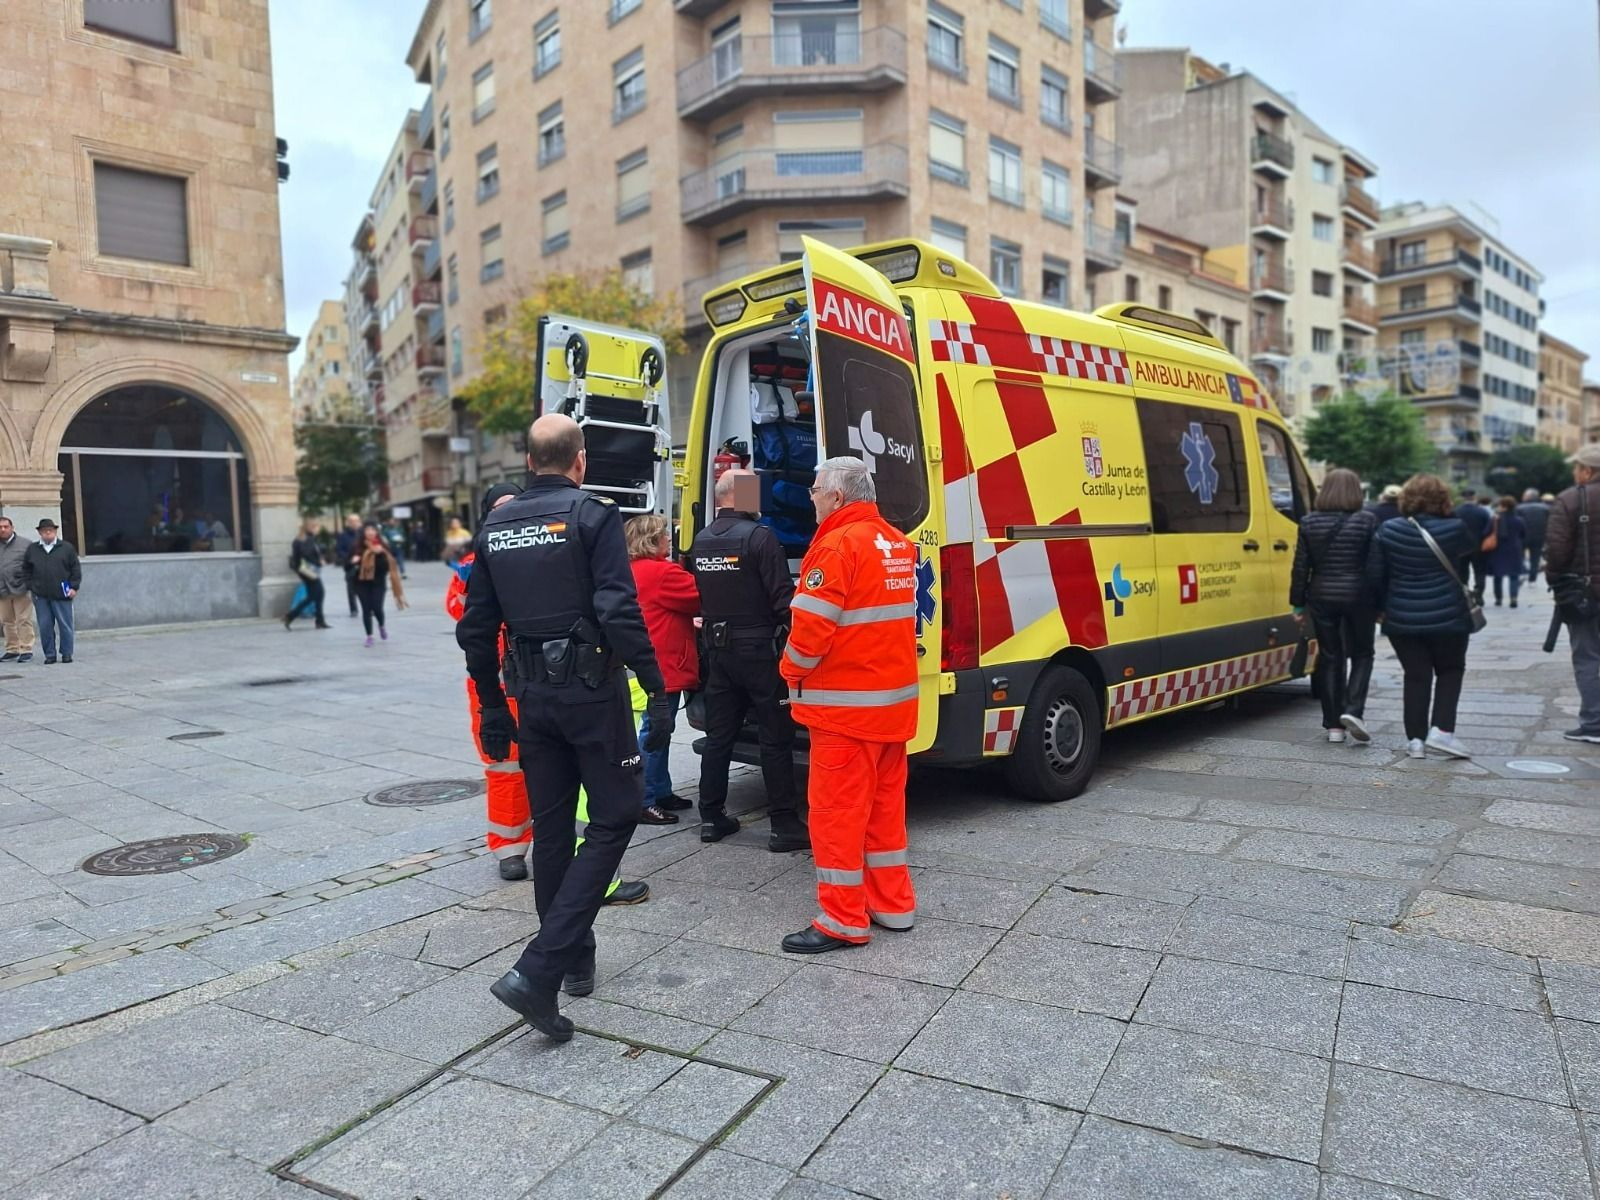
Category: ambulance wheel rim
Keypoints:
(1063, 734)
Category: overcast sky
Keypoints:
(1470, 102)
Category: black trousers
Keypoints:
(744, 680)
(1345, 638)
(1535, 553)
(370, 593)
(566, 737)
(350, 588)
(1434, 666)
(312, 603)
(1480, 575)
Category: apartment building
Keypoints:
(1219, 156)
(1458, 315)
(1181, 276)
(144, 395)
(1562, 415)
(324, 385)
(730, 129)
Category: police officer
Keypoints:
(745, 591)
(552, 567)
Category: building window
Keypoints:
(444, 133)
(949, 237)
(1322, 341)
(449, 206)
(620, 9)
(1413, 296)
(1053, 16)
(633, 185)
(480, 15)
(1230, 334)
(627, 85)
(819, 142)
(638, 273)
(142, 215)
(1056, 282)
(1055, 193)
(1005, 266)
(945, 37)
(842, 232)
(1164, 297)
(1177, 506)
(1130, 288)
(1322, 170)
(947, 147)
(1321, 283)
(1413, 337)
(1005, 71)
(494, 263)
(547, 44)
(1005, 171)
(482, 92)
(439, 61)
(495, 314)
(552, 135)
(158, 471)
(452, 274)
(488, 171)
(555, 233)
(808, 33)
(1053, 110)
(455, 351)
(1411, 254)
(1322, 227)
(147, 21)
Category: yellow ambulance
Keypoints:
(1105, 506)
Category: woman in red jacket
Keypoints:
(670, 601)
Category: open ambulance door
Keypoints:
(865, 377)
(613, 382)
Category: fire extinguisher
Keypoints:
(733, 453)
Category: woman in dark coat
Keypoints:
(377, 566)
(1507, 559)
(1330, 579)
(1425, 615)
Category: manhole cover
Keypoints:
(196, 736)
(1555, 769)
(157, 856)
(425, 791)
(1535, 766)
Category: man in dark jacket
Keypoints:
(1476, 518)
(53, 574)
(1535, 514)
(1387, 506)
(347, 553)
(16, 605)
(1572, 547)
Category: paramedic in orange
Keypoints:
(851, 666)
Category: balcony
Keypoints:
(1360, 261)
(1271, 340)
(1095, 9)
(1460, 397)
(1471, 352)
(435, 417)
(1360, 314)
(425, 122)
(1102, 73)
(430, 360)
(419, 165)
(1451, 306)
(1357, 203)
(791, 63)
(438, 479)
(1102, 248)
(369, 320)
(425, 297)
(1102, 161)
(1271, 154)
(1271, 280)
(694, 291)
(1274, 218)
(373, 367)
(431, 259)
(755, 177)
(434, 333)
(1453, 261)
(428, 197)
(697, 8)
(424, 231)
(367, 275)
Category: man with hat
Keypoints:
(51, 570)
(1572, 548)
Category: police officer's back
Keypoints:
(552, 567)
(745, 592)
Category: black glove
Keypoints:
(662, 719)
(496, 731)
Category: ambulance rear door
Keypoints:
(613, 382)
(865, 375)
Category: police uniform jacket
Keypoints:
(743, 576)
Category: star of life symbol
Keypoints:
(926, 607)
(1093, 463)
(867, 441)
(1200, 455)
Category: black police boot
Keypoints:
(714, 826)
(514, 868)
(788, 833)
(635, 892)
(536, 1005)
(580, 980)
(673, 802)
(812, 940)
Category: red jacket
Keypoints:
(670, 601)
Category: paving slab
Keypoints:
(1518, 928)
(1551, 818)
(1112, 1161)
(625, 1162)
(808, 1007)
(1417, 970)
(1310, 816)
(436, 1023)
(152, 1161)
(592, 1072)
(1580, 1050)
(43, 1125)
(1534, 845)
(637, 1025)
(1068, 974)
(698, 1101)
(1260, 942)
(699, 981)
(1569, 889)
(721, 1175)
(1102, 918)
(332, 995)
(1264, 1008)
(934, 951)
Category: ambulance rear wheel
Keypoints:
(1058, 743)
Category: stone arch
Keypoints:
(13, 446)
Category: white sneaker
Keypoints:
(1354, 727)
(1414, 749)
(1447, 744)
(1336, 735)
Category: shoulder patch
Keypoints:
(814, 578)
(602, 499)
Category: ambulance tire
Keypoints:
(1058, 743)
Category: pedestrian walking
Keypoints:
(745, 594)
(1509, 556)
(1417, 572)
(1535, 514)
(51, 570)
(851, 666)
(305, 560)
(1387, 506)
(16, 603)
(670, 602)
(1477, 521)
(1572, 567)
(376, 567)
(553, 571)
(1330, 580)
(347, 553)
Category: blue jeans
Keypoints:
(49, 614)
(1586, 667)
(657, 778)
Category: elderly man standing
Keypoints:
(1573, 549)
(16, 605)
(1535, 514)
(851, 666)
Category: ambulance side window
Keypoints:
(1287, 483)
(1199, 477)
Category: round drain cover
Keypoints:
(1535, 766)
(424, 792)
(157, 856)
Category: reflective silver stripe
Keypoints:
(801, 660)
(879, 612)
(886, 858)
(855, 699)
(903, 920)
(841, 877)
(510, 831)
(581, 830)
(828, 922)
(509, 767)
(812, 604)
(511, 850)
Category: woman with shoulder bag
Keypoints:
(1330, 579)
(305, 560)
(1416, 570)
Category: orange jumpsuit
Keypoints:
(851, 666)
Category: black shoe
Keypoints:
(717, 826)
(323, 625)
(636, 892)
(1582, 735)
(50, 660)
(812, 940)
(788, 833)
(579, 982)
(674, 803)
(66, 658)
(513, 869)
(653, 815)
(1513, 604)
(13, 655)
(287, 620)
(537, 1006)
(22, 658)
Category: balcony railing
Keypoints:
(736, 69)
(1471, 352)
(373, 366)
(1362, 312)
(430, 359)
(1271, 339)
(1102, 245)
(1270, 148)
(437, 479)
(1357, 256)
(435, 327)
(1271, 276)
(419, 165)
(1095, 9)
(428, 197)
(425, 296)
(1102, 71)
(431, 256)
(1448, 304)
(1274, 213)
(424, 229)
(1453, 259)
(1356, 197)
(425, 121)
(753, 177)
(369, 320)
(1102, 158)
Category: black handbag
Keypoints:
(1574, 598)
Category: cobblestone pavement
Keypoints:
(1247, 964)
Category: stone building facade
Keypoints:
(1562, 415)
(324, 385)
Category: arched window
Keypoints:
(150, 469)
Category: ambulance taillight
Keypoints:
(958, 593)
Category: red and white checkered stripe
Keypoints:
(953, 341)
(1000, 730)
(1079, 360)
(1177, 688)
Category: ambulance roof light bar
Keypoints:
(1167, 322)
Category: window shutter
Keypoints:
(819, 131)
(555, 216)
(633, 179)
(947, 145)
(142, 215)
